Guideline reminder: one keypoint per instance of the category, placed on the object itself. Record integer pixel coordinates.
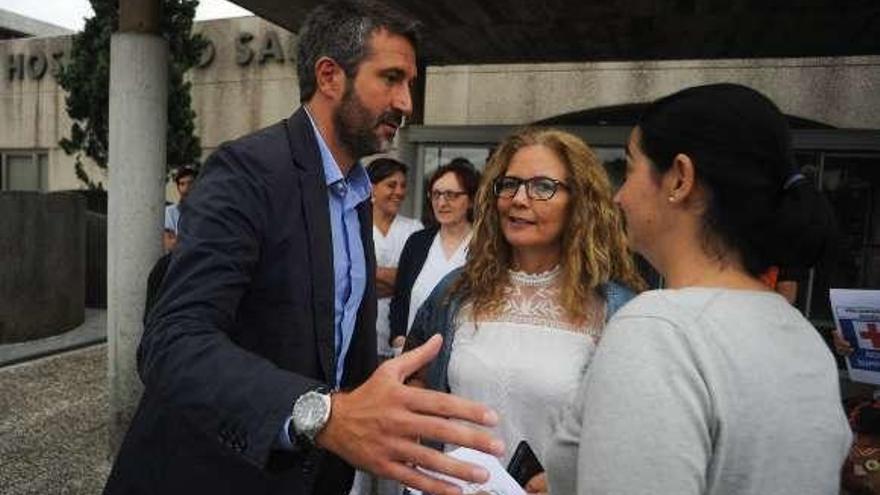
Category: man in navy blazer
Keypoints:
(259, 357)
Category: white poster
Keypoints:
(857, 315)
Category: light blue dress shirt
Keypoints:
(172, 217)
(349, 260)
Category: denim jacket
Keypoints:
(437, 315)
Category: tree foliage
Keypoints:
(86, 78)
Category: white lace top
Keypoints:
(526, 362)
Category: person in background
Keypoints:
(787, 283)
(548, 266)
(430, 254)
(715, 384)
(390, 232)
(427, 217)
(183, 179)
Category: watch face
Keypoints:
(309, 413)
(314, 410)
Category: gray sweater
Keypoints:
(704, 391)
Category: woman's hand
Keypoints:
(385, 278)
(538, 484)
(841, 346)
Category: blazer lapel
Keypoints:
(365, 216)
(316, 212)
(362, 358)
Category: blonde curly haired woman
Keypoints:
(548, 265)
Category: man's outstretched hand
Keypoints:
(377, 426)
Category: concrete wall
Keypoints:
(32, 108)
(232, 97)
(96, 260)
(841, 91)
(42, 273)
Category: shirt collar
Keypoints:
(358, 181)
(332, 173)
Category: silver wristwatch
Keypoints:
(310, 414)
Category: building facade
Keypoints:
(247, 80)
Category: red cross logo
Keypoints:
(872, 334)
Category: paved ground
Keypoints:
(54, 411)
(53, 424)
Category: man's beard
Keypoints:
(356, 127)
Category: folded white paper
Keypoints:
(500, 482)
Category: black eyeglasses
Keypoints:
(538, 188)
(447, 195)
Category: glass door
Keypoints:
(851, 182)
(843, 163)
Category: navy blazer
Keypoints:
(243, 326)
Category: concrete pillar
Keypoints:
(138, 121)
(407, 152)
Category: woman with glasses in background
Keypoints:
(430, 254)
(547, 266)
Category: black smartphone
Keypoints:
(524, 464)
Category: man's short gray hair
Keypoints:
(341, 30)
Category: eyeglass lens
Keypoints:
(447, 195)
(541, 188)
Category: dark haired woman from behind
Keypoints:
(715, 385)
